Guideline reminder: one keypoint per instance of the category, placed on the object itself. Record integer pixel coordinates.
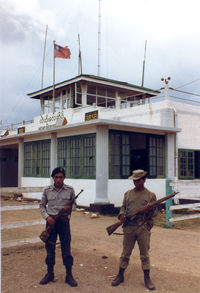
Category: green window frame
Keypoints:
(119, 155)
(156, 156)
(37, 158)
(186, 164)
(123, 156)
(77, 155)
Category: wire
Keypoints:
(194, 101)
(188, 83)
(189, 93)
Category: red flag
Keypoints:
(61, 52)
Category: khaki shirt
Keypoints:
(135, 199)
(53, 201)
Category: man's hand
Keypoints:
(122, 218)
(50, 221)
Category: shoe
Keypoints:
(119, 279)
(147, 281)
(70, 280)
(47, 278)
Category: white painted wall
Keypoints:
(88, 185)
(117, 188)
(85, 198)
(188, 119)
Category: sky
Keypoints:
(171, 28)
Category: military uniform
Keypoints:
(51, 203)
(137, 229)
(55, 198)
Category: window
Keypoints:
(102, 96)
(78, 90)
(131, 151)
(119, 155)
(76, 154)
(37, 159)
(47, 104)
(189, 164)
(156, 156)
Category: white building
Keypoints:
(100, 130)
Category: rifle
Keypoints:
(149, 206)
(46, 233)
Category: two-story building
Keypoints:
(100, 130)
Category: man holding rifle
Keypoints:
(136, 228)
(56, 198)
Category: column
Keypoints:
(84, 93)
(117, 100)
(20, 161)
(102, 164)
(170, 155)
(53, 156)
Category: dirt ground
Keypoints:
(175, 258)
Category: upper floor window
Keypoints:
(47, 104)
(101, 96)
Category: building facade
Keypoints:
(99, 130)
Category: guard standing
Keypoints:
(56, 197)
(136, 229)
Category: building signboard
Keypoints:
(91, 115)
(52, 120)
(21, 130)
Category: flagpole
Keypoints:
(144, 62)
(45, 41)
(99, 40)
(53, 99)
(79, 57)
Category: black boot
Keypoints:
(49, 277)
(147, 281)
(119, 278)
(69, 278)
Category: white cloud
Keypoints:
(171, 28)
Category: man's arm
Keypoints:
(43, 209)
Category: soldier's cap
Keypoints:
(138, 174)
(57, 170)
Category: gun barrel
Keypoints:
(113, 227)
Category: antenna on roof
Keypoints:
(99, 39)
(145, 48)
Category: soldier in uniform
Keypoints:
(136, 229)
(56, 197)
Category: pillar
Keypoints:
(170, 155)
(102, 163)
(53, 162)
(20, 161)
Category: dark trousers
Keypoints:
(62, 228)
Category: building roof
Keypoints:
(98, 80)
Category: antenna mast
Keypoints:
(79, 57)
(145, 48)
(45, 41)
(99, 39)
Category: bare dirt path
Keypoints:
(175, 259)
